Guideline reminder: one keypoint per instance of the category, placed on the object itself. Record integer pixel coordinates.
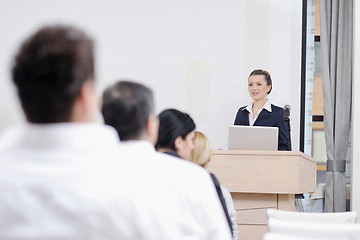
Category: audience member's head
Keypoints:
(129, 108)
(176, 133)
(201, 153)
(54, 74)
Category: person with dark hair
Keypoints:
(129, 108)
(176, 133)
(63, 176)
(176, 138)
(261, 112)
(50, 72)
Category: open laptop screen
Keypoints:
(253, 138)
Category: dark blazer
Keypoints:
(222, 200)
(172, 153)
(267, 119)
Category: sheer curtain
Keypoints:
(336, 23)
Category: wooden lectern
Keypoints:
(259, 180)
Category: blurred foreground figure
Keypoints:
(64, 177)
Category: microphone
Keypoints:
(287, 109)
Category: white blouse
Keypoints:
(252, 116)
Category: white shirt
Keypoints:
(252, 116)
(75, 181)
(231, 210)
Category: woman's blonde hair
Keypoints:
(202, 149)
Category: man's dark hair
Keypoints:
(173, 124)
(126, 107)
(49, 71)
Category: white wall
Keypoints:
(195, 54)
(355, 166)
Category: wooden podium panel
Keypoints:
(252, 231)
(261, 180)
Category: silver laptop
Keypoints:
(253, 138)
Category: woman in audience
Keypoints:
(176, 133)
(201, 155)
(176, 137)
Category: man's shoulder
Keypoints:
(178, 165)
(156, 165)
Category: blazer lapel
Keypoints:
(263, 113)
(245, 117)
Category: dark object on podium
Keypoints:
(287, 120)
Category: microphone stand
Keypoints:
(298, 204)
(287, 120)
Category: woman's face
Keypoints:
(258, 87)
(185, 146)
